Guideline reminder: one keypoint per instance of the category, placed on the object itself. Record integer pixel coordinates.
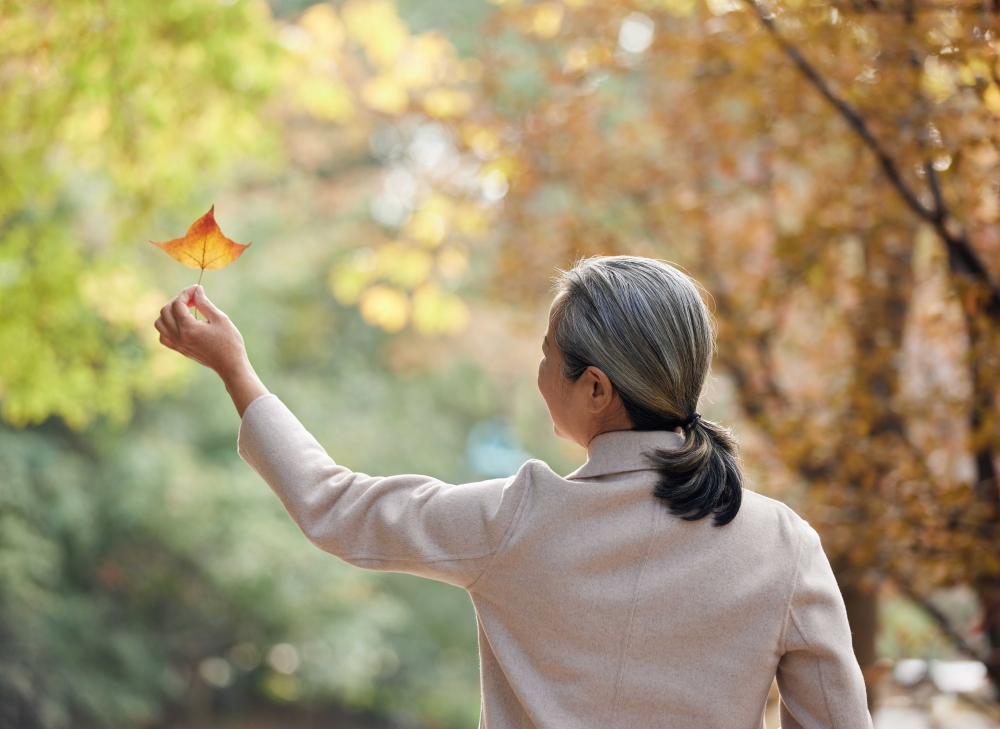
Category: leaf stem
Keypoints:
(198, 284)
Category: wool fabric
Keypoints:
(597, 608)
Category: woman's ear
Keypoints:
(600, 393)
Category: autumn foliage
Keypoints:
(204, 246)
(828, 169)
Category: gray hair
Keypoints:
(643, 323)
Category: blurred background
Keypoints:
(411, 175)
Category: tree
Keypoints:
(112, 111)
(143, 572)
(829, 170)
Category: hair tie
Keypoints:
(690, 420)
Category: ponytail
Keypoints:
(701, 477)
(704, 476)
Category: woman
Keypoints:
(645, 589)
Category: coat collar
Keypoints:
(620, 451)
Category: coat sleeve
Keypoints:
(409, 523)
(818, 676)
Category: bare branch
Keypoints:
(853, 118)
(939, 204)
(907, 11)
(941, 620)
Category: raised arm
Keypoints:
(818, 676)
(408, 523)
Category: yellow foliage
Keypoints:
(547, 20)
(721, 7)
(991, 97)
(506, 166)
(377, 27)
(452, 262)
(447, 103)
(435, 312)
(385, 94)
(974, 70)
(386, 307)
(120, 298)
(440, 204)
(680, 8)
(427, 226)
(348, 280)
(325, 28)
(396, 263)
(325, 99)
(577, 57)
(159, 98)
(482, 141)
(88, 126)
(347, 283)
(470, 220)
(404, 265)
(937, 81)
(427, 59)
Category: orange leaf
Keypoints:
(204, 246)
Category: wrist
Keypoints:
(234, 369)
(242, 384)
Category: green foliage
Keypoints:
(61, 356)
(70, 651)
(130, 556)
(111, 111)
(127, 558)
(149, 569)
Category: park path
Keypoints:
(945, 712)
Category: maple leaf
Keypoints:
(204, 246)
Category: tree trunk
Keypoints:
(862, 614)
(989, 595)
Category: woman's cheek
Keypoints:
(546, 390)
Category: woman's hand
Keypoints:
(215, 343)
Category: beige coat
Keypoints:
(596, 607)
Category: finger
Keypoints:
(165, 339)
(167, 343)
(180, 310)
(206, 307)
(187, 295)
(167, 317)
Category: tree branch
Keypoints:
(939, 211)
(856, 8)
(962, 259)
(941, 620)
(853, 118)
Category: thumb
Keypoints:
(206, 307)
